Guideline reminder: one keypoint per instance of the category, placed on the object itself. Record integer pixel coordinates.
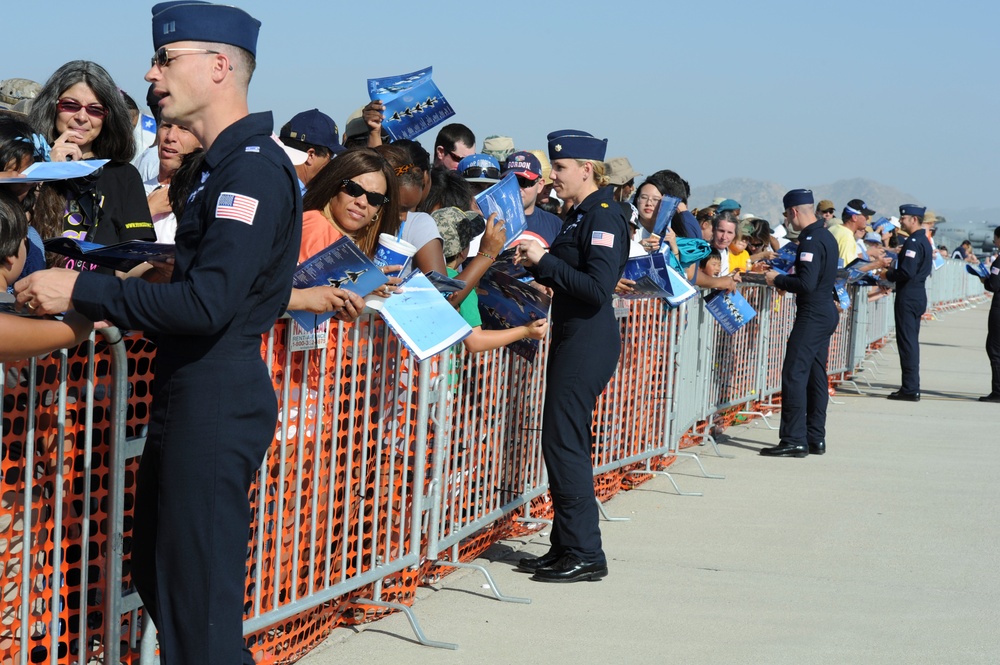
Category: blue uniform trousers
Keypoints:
(804, 387)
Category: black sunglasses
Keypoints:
(481, 172)
(354, 189)
(525, 183)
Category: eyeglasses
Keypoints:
(457, 158)
(481, 172)
(525, 183)
(829, 211)
(354, 189)
(73, 107)
(646, 198)
(162, 57)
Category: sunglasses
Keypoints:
(73, 107)
(162, 57)
(355, 190)
(481, 172)
(525, 183)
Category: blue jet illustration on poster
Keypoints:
(413, 103)
(342, 265)
(505, 302)
(504, 199)
(731, 310)
(422, 318)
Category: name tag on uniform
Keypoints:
(806, 257)
(995, 270)
(910, 253)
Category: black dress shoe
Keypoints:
(530, 564)
(900, 396)
(817, 448)
(571, 568)
(785, 450)
(992, 397)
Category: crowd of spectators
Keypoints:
(360, 184)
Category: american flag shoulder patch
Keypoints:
(995, 270)
(602, 239)
(910, 253)
(236, 206)
(806, 257)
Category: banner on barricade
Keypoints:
(413, 103)
(342, 265)
(731, 310)
(505, 302)
(423, 320)
(504, 199)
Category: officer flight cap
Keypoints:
(911, 209)
(797, 197)
(575, 144)
(191, 20)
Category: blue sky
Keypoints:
(793, 92)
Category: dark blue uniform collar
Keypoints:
(812, 228)
(602, 195)
(236, 134)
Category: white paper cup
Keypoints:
(393, 251)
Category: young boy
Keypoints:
(739, 257)
(457, 230)
(711, 265)
(23, 337)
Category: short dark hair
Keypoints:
(714, 254)
(183, 181)
(996, 232)
(448, 189)
(13, 225)
(418, 156)
(15, 139)
(407, 173)
(452, 134)
(673, 184)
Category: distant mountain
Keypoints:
(989, 215)
(763, 198)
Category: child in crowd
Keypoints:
(457, 230)
(739, 257)
(711, 265)
(23, 337)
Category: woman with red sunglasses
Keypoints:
(82, 114)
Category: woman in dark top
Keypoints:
(82, 114)
(582, 267)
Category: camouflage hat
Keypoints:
(457, 229)
(500, 147)
(15, 90)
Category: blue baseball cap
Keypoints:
(191, 20)
(728, 204)
(874, 238)
(479, 167)
(797, 197)
(315, 128)
(575, 144)
(523, 164)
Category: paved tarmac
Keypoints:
(884, 550)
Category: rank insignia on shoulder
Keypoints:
(253, 148)
(604, 205)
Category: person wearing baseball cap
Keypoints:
(316, 134)
(542, 226)
(582, 267)
(910, 275)
(214, 410)
(804, 395)
(479, 170)
(826, 211)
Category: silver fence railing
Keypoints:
(382, 469)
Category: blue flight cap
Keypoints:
(191, 20)
(797, 197)
(911, 209)
(574, 144)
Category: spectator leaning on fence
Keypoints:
(214, 409)
(804, 388)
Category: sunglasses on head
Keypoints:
(162, 56)
(481, 172)
(354, 189)
(73, 107)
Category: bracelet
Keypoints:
(491, 258)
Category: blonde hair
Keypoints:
(600, 175)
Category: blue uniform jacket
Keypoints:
(815, 271)
(237, 245)
(587, 258)
(913, 267)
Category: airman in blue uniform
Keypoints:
(214, 410)
(804, 386)
(582, 267)
(910, 275)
